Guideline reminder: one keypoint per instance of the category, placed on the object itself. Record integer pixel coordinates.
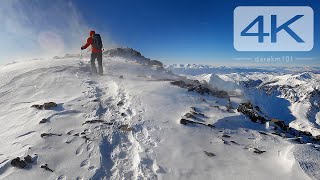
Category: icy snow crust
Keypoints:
(138, 135)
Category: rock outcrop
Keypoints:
(132, 54)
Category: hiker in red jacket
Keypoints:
(96, 43)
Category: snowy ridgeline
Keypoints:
(289, 94)
(139, 121)
(197, 69)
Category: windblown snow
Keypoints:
(133, 123)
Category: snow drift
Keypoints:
(126, 125)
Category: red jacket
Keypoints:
(90, 42)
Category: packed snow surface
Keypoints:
(125, 125)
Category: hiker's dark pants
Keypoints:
(97, 56)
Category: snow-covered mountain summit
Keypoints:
(139, 121)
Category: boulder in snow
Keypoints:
(44, 120)
(280, 123)
(45, 166)
(248, 110)
(18, 163)
(28, 159)
(46, 106)
(210, 154)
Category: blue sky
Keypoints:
(173, 31)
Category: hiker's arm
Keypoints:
(89, 42)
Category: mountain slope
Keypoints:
(125, 125)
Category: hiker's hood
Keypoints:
(92, 33)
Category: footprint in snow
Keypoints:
(79, 150)
(71, 140)
(85, 163)
(131, 112)
(70, 132)
(26, 135)
(79, 178)
(62, 177)
(90, 147)
(91, 168)
(92, 153)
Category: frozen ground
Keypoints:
(137, 134)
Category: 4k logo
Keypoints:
(273, 28)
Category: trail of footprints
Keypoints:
(112, 107)
(111, 103)
(116, 107)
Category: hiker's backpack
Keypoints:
(97, 42)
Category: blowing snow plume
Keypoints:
(40, 29)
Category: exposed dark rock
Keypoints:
(257, 151)
(120, 77)
(155, 63)
(123, 114)
(194, 109)
(44, 120)
(218, 107)
(43, 135)
(210, 154)
(226, 142)
(182, 84)
(196, 86)
(86, 138)
(197, 113)
(125, 127)
(305, 133)
(281, 129)
(247, 109)
(185, 122)
(37, 106)
(226, 136)
(299, 140)
(204, 90)
(280, 123)
(46, 106)
(189, 115)
(317, 138)
(120, 103)
(18, 163)
(134, 55)
(234, 142)
(202, 99)
(263, 133)
(257, 108)
(210, 125)
(94, 121)
(28, 159)
(45, 166)
(278, 134)
(49, 105)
